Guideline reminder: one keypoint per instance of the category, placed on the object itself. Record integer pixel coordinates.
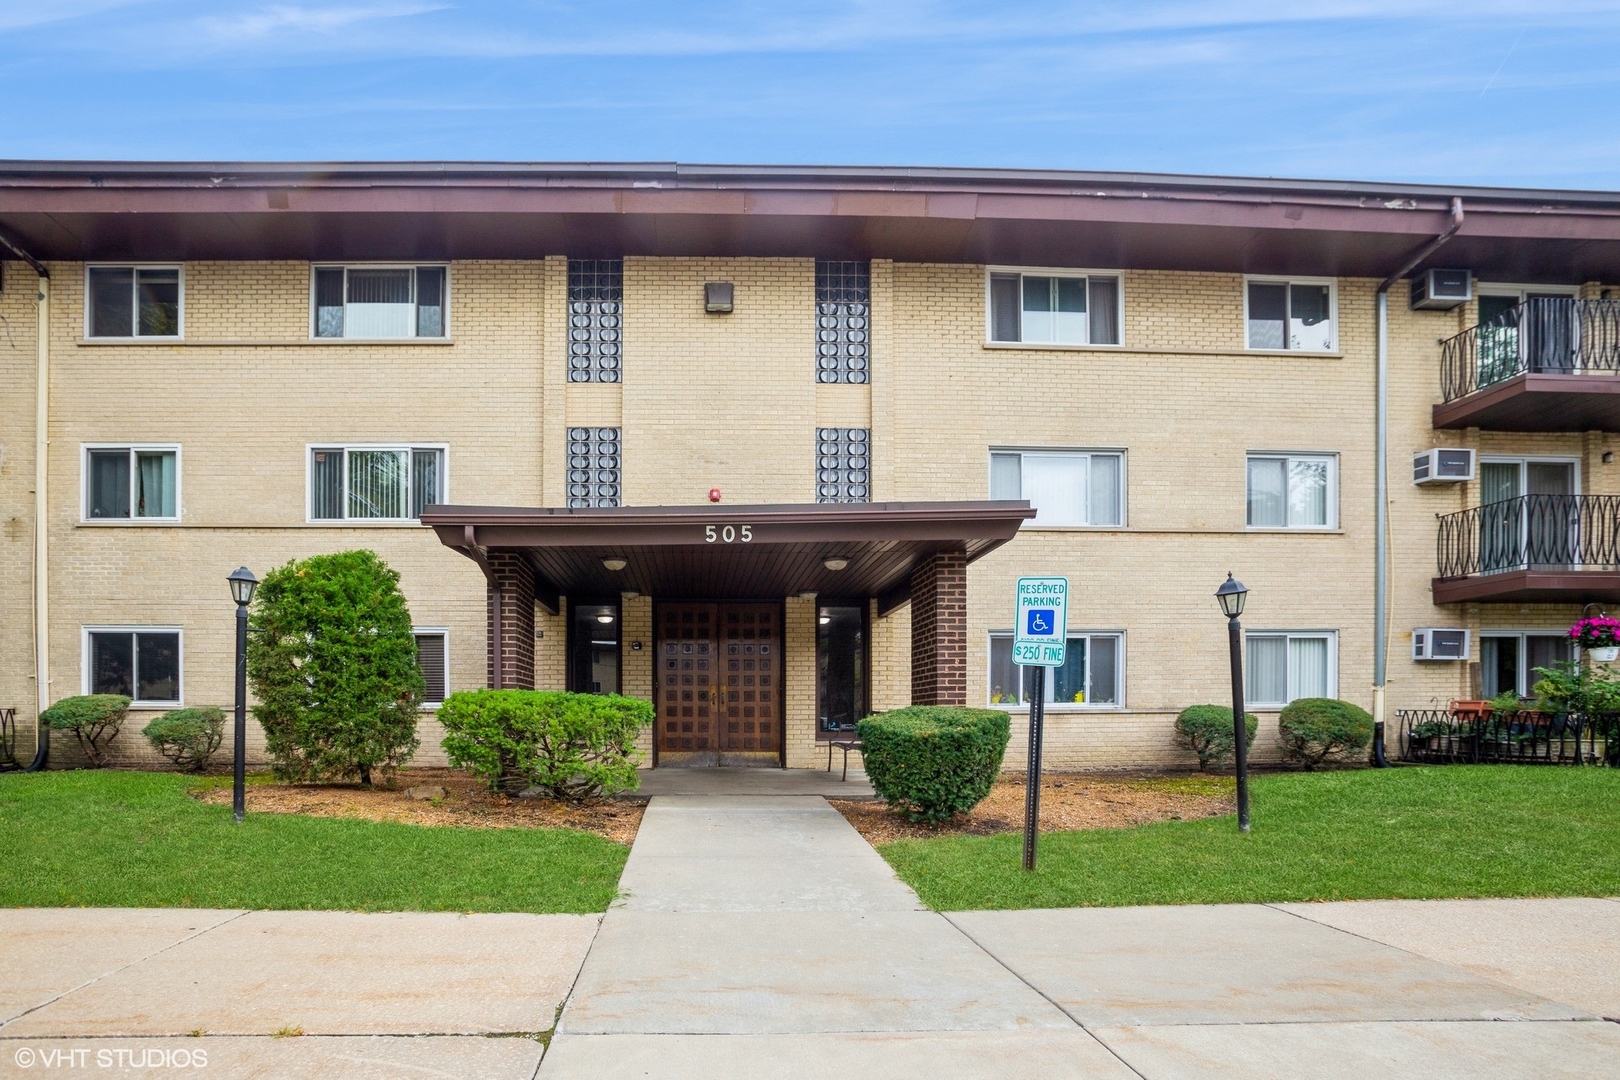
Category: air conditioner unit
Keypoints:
(1443, 465)
(1433, 643)
(1441, 290)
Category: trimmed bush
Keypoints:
(572, 746)
(1206, 730)
(1312, 729)
(334, 668)
(94, 720)
(933, 761)
(187, 737)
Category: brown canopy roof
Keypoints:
(732, 552)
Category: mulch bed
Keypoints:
(1069, 801)
(467, 802)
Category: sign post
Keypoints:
(1041, 629)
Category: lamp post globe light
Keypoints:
(1232, 596)
(242, 585)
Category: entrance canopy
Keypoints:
(730, 552)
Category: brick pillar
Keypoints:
(514, 669)
(939, 630)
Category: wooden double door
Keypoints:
(719, 683)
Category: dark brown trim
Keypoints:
(1535, 401)
(1530, 587)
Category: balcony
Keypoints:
(1548, 364)
(1534, 549)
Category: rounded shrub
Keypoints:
(933, 761)
(1206, 730)
(334, 669)
(94, 720)
(1312, 729)
(187, 737)
(573, 746)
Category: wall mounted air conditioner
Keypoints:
(1434, 643)
(1441, 290)
(1443, 465)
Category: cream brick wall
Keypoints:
(731, 402)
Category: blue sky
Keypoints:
(1487, 92)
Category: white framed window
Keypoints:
(433, 657)
(144, 663)
(1284, 665)
(1293, 491)
(1291, 313)
(1092, 675)
(130, 482)
(1056, 307)
(1067, 487)
(375, 482)
(134, 301)
(376, 302)
(1508, 658)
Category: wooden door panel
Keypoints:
(751, 655)
(687, 668)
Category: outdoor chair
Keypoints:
(846, 745)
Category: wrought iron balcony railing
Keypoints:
(1531, 532)
(1556, 335)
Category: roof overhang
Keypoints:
(470, 210)
(732, 552)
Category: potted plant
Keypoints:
(1599, 636)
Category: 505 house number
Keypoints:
(728, 534)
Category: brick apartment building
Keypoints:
(526, 386)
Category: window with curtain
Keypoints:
(140, 663)
(1092, 672)
(1066, 487)
(1293, 491)
(1291, 315)
(1284, 666)
(432, 656)
(132, 301)
(1508, 661)
(374, 483)
(380, 302)
(137, 483)
(1059, 309)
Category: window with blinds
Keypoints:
(374, 483)
(1284, 666)
(433, 657)
(1055, 308)
(380, 302)
(1066, 487)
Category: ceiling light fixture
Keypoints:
(614, 563)
(835, 563)
(604, 617)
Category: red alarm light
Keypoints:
(714, 494)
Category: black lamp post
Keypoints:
(1232, 594)
(242, 585)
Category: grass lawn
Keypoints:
(1398, 833)
(131, 839)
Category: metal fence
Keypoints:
(1527, 737)
(1531, 532)
(1556, 335)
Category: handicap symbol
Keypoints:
(1041, 621)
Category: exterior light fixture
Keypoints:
(825, 619)
(1232, 594)
(243, 583)
(614, 563)
(835, 563)
(717, 297)
(604, 618)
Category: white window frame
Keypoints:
(1521, 292)
(1065, 451)
(354, 522)
(180, 321)
(86, 676)
(1332, 637)
(1290, 455)
(444, 634)
(444, 311)
(1059, 706)
(1525, 674)
(1524, 461)
(132, 448)
(1333, 312)
(1052, 271)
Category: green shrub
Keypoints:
(94, 720)
(187, 737)
(573, 746)
(333, 667)
(933, 761)
(1311, 729)
(1206, 730)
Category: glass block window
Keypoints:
(843, 321)
(843, 465)
(593, 466)
(595, 320)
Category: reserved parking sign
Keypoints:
(1042, 625)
